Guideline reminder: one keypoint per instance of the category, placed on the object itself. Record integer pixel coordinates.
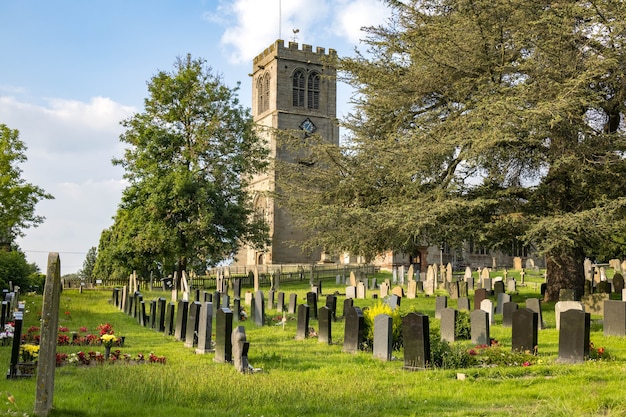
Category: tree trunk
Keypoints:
(564, 271)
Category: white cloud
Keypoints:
(351, 16)
(70, 146)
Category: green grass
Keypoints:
(308, 378)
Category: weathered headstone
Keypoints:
(614, 318)
(448, 324)
(415, 334)
(463, 304)
(487, 306)
(280, 303)
(563, 306)
(347, 305)
(524, 330)
(604, 287)
(511, 286)
(223, 332)
(193, 320)
(411, 290)
(351, 292)
(324, 335)
(383, 290)
(535, 305)
(618, 283)
(205, 327)
(453, 290)
(352, 279)
(353, 330)
(479, 295)
(441, 302)
(498, 287)
(237, 288)
(293, 303)
(393, 301)
(331, 303)
(574, 336)
(507, 313)
(302, 329)
(479, 321)
(594, 303)
(49, 331)
(259, 308)
(240, 345)
(311, 300)
(502, 298)
(360, 290)
(152, 322)
(383, 337)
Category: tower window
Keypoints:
(263, 93)
(298, 88)
(266, 93)
(313, 91)
(259, 91)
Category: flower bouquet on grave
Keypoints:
(107, 341)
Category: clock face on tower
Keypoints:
(308, 126)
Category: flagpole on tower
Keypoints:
(279, 19)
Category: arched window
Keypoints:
(313, 91)
(260, 96)
(298, 88)
(266, 92)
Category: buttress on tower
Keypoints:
(292, 89)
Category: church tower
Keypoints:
(293, 88)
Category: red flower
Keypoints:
(472, 352)
(600, 351)
(526, 363)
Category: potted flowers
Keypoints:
(107, 341)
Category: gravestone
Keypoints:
(360, 291)
(351, 292)
(470, 284)
(535, 305)
(331, 304)
(247, 298)
(383, 337)
(352, 279)
(566, 294)
(383, 290)
(270, 299)
(411, 290)
(142, 318)
(618, 283)
(311, 300)
(502, 298)
(49, 334)
(479, 322)
(410, 274)
(563, 306)
(170, 320)
(507, 313)
(487, 306)
(487, 285)
(324, 335)
(394, 301)
(18, 323)
(603, 287)
(524, 330)
(237, 288)
(498, 287)
(115, 297)
(441, 302)
(594, 303)
(255, 277)
(180, 331)
(347, 305)
(353, 330)
(293, 302)
(225, 300)
(448, 324)
(463, 303)
(302, 329)
(479, 295)
(240, 346)
(373, 284)
(205, 327)
(453, 290)
(152, 322)
(416, 340)
(193, 320)
(462, 288)
(511, 286)
(614, 318)
(574, 336)
(259, 308)
(588, 269)
(223, 332)
(236, 310)
(280, 303)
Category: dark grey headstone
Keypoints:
(535, 305)
(170, 321)
(153, 317)
(280, 303)
(225, 301)
(271, 295)
(441, 302)
(302, 329)
(348, 303)
(311, 300)
(237, 288)
(116, 298)
(18, 323)
(142, 318)
(614, 318)
(236, 310)
(353, 331)
(574, 336)
(415, 335)
(193, 321)
(448, 324)
(603, 287)
(463, 303)
(524, 330)
(205, 327)
(240, 349)
(331, 303)
(479, 320)
(207, 297)
(502, 298)
(223, 332)
(293, 301)
(479, 295)
(498, 287)
(383, 337)
(618, 283)
(160, 315)
(324, 334)
(259, 308)
(507, 313)
(181, 320)
(393, 301)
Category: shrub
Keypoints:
(369, 313)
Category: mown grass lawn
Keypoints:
(308, 378)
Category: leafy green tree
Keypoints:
(482, 120)
(192, 152)
(17, 197)
(14, 268)
(88, 264)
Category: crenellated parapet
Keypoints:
(294, 51)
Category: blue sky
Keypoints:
(72, 70)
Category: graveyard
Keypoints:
(280, 365)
